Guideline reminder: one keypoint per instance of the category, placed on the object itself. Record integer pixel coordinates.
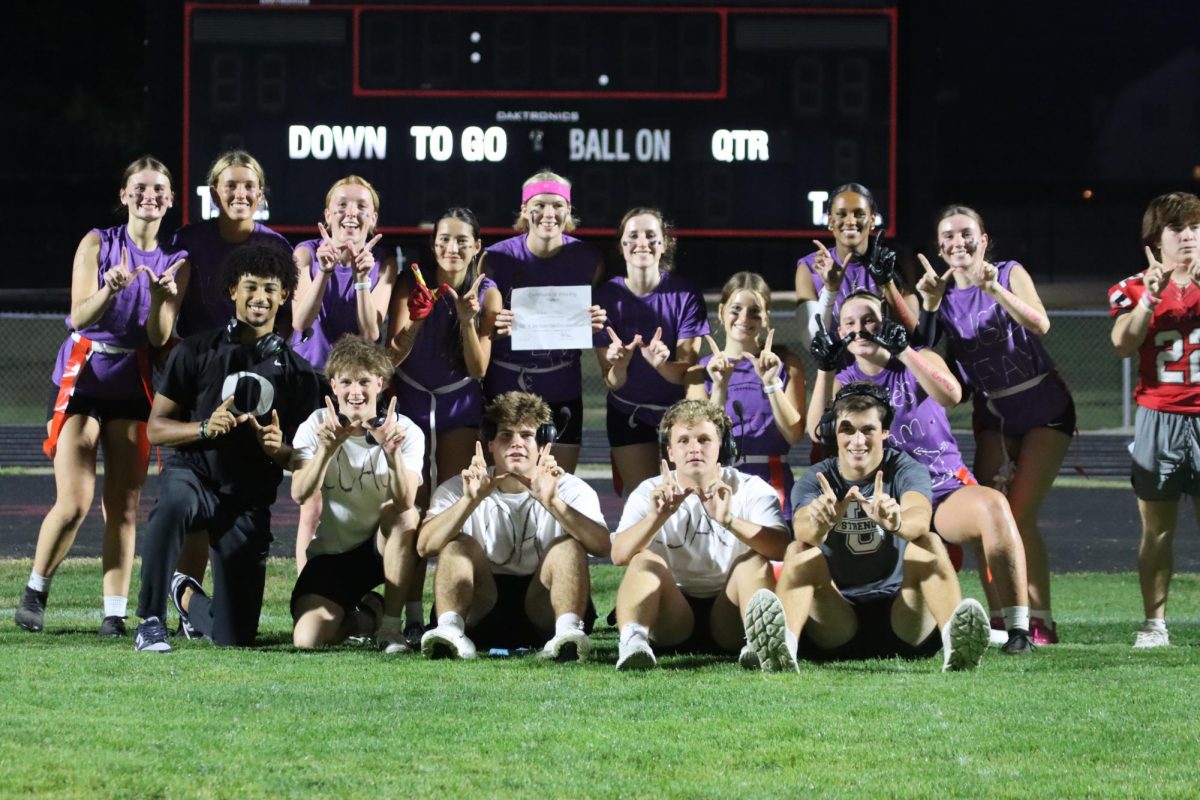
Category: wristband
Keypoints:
(362, 286)
(1149, 302)
(826, 299)
(204, 430)
(772, 388)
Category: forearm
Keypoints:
(937, 382)
(767, 542)
(806, 530)
(788, 419)
(368, 316)
(591, 534)
(477, 351)
(308, 478)
(1130, 329)
(87, 311)
(440, 530)
(634, 539)
(169, 432)
(1028, 317)
(161, 320)
(402, 484)
(674, 371)
(821, 396)
(914, 522)
(402, 343)
(904, 307)
(308, 304)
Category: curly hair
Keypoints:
(262, 260)
(514, 408)
(691, 412)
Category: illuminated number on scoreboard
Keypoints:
(1170, 346)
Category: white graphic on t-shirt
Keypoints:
(504, 529)
(347, 479)
(862, 533)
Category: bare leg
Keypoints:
(648, 596)
(977, 514)
(562, 586)
(1156, 556)
(310, 517)
(750, 573)
(929, 593)
(399, 533)
(463, 582)
(193, 556)
(811, 599)
(319, 621)
(124, 476)
(75, 484)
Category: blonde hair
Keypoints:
(690, 412)
(146, 162)
(353, 354)
(513, 408)
(236, 158)
(353, 180)
(522, 224)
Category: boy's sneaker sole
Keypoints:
(965, 637)
(767, 633)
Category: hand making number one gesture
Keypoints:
(826, 510)
(881, 507)
(667, 497)
(766, 364)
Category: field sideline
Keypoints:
(90, 718)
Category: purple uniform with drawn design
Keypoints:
(338, 314)
(206, 304)
(553, 374)
(997, 356)
(432, 382)
(856, 279)
(763, 448)
(123, 324)
(921, 427)
(678, 308)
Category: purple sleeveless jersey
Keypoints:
(675, 306)
(123, 324)
(994, 353)
(757, 436)
(856, 279)
(921, 427)
(206, 304)
(338, 314)
(553, 374)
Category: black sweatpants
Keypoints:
(239, 534)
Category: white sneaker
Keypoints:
(1148, 637)
(965, 636)
(447, 641)
(768, 635)
(634, 653)
(392, 642)
(568, 645)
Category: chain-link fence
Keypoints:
(1078, 341)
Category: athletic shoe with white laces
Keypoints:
(768, 635)
(180, 583)
(151, 636)
(570, 644)
(634, 653)
(112, 627)
(31, 610)
(965, 637)
(447, 641)
(392, 642)
(1150, 637)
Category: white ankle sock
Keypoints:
(1016, 617)
(568, 622)
(1157, 624)
(115, 605)
(415, 611)
(632, 629)
(39, 583)
(452, 619)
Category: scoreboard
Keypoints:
(734, 121)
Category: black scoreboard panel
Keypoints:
(732, 120)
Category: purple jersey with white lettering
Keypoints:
(856, 279)
(553, 374)
(207, 304)
(991, 349)
(763, 448)
(123, 323)
(921, 427)
(338, 314)
(677, 307)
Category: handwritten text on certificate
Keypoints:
(552, 318)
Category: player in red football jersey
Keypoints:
(1158, 317)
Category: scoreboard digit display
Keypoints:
(734, 121)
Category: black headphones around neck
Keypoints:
(826, 427)
(727, 454)
(264, 347)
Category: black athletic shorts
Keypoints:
(874, 638)
(621, 432)
(507, 625)
(341, 577)
(104, 409)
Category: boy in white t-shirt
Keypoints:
(368, 470)
(513, 542)
(698, 542)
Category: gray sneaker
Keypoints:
(768, 635)
(965, 637)
(31, 610)
(151, 637)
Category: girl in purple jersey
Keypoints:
(1024, 414)
(441, 343)
(824, 278)
(125, 292)
(761, 388)
(655, 321)
(344, 287)
(542, 254)
(922, 387)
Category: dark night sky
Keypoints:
(1001, 103)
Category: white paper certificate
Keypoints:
(552, 318)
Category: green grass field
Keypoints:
(1088, 718)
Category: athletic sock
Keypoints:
(568, 622)
(389, 623)
(115, 605)
(1156, 624)
(1016, 618)
(415, 611)
(39, 583)
(632, 629)
(452, 619)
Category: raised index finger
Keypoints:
(770, 338)
(225, 404)
(824, 250)
(325, 234)
(878, 484)
(373, 241)
(929, 270)
(612, 335)
(825, 487)
(475, 286)
(712, 343)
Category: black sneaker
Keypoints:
(113, 627)
(31, 611)
(365, 617)
(413, 632)
(179, 583)
(1019, 643)
(151, 637)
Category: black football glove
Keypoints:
(891, 337)
(881, 262)
(826, 351)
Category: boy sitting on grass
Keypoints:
(368, 469)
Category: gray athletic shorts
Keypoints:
(1166, 455)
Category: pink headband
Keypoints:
(546, 187)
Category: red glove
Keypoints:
(420, 299)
